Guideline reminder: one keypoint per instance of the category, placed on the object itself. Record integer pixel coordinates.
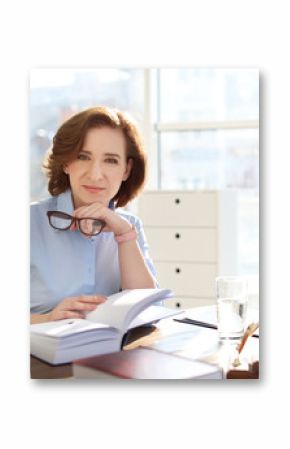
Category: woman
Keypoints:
(82, 248)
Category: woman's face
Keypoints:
(100, 168)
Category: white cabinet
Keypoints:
(192, 238)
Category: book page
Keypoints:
(66, 327)
(153, 314)
(121, 308)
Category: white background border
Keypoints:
(130, 33)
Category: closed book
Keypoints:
(102, 330)
(143, 363)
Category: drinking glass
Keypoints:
(232, 301)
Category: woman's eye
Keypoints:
(111, 160)
(82, 157)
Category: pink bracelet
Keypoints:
(127, 236)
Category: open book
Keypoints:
(102, 331)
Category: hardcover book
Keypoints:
(144, 363)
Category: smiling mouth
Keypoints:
(93, 189)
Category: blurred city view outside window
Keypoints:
(204, 126)
(208, 94)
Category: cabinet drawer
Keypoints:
(178, 208)
(187, 279)
(187, 245)
(188, 303)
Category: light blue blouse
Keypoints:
(66, 263)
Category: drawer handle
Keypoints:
(177, 270)
(177, 235)
(177, 200)
(177, 304)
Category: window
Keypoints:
(209, 159)
(188, 95)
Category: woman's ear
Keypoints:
(65, 169)
(126, 175)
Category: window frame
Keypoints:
(154, 126)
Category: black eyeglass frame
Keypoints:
(76, 220)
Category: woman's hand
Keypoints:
(75, 307)
(114, 223)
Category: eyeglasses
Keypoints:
(63, 222)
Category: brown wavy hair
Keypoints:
(68, 142)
